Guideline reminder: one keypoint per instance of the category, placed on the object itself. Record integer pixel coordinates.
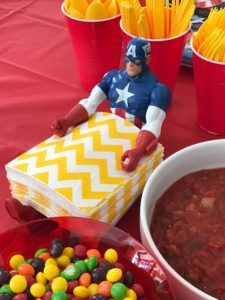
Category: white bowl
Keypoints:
(206, 155)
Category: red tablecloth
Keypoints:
(39, 81)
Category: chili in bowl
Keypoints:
(183, 220)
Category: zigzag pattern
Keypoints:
(111, 208)
(84, 166)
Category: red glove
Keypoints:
(76, 116)
(20, 212)
(145, 144)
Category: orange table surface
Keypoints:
(39, 81)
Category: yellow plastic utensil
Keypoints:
(96, 11)
(149, 10)
(159, 19)
(112, 9)
(167, 19)
(142, 29)
(79, 5)
(131, 20)
(66, 5)
(218, 51)
(76, 14)
(147, 27)
(106, 3)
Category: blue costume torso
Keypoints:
(134, 94)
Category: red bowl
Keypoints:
(26, 239)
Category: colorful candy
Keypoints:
(51, 271)
(81, 292)
(93, 252)
(4, 296)
(92, 263)
(40, 277)
(131, 294)
(68, 273)
(14, 261)
(56, 248)
(63, 261)
(59, 295)
(114, 275)
(93, 289)
(104, 288)
(18, 284)
(4, 275)
(38, 264)
(129, 279)
(26, 269)
(68, 251)
(40, 251)
(118, 291)
(85, 279)
(6, 289)
(98, 275)
(37, 290)
(111, 255)
(71, 272)
(59, 283)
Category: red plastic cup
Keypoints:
(165, 57)
(209, 78)
(97, 46)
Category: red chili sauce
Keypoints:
(188, 227)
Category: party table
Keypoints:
(39, 81)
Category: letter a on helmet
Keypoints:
(138, 51)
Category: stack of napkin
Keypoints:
(80, 174)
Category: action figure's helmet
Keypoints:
(138, 51)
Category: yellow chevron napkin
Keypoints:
(80, 174)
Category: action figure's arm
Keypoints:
(154, 120)
(80, 112)
(91, 103)
(86, 107)
(147, 139)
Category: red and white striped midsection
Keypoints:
(131, 118)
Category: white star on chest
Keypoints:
(124, 95)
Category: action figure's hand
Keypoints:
(130, 159)
(145, 144)
(77, 115)
(20, 212)
(59, 127)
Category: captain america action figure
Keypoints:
(134, 93)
